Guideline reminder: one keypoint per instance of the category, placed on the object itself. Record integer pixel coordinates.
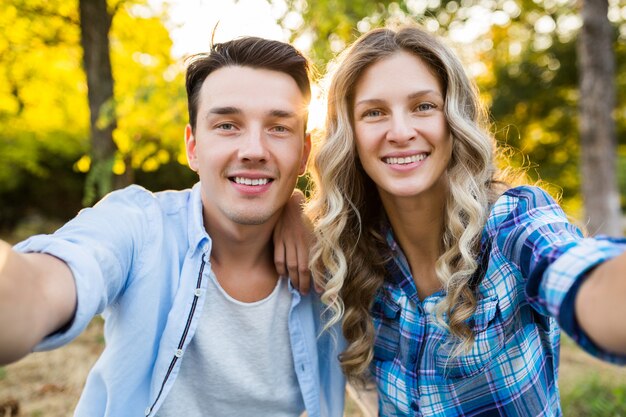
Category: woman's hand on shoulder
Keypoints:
(293, 238)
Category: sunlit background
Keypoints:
(523, 55)
(194, 24)
(191, 24)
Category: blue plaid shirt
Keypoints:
(531, 265)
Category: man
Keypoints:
(198, 322)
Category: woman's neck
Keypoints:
(418, 224)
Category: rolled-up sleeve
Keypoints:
(554, 258)
(100, 246)
(575, 265)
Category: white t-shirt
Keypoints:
(239, 362)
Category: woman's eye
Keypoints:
(425, 106)
(373, 113)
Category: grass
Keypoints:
(589, 387)
(53, 381)
(595, 398)
(49, 384)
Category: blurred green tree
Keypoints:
(522, 55)
(95, 23)
(44, 112)
(596, 61)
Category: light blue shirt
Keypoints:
(142, 260)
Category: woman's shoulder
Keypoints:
(519, 203)
(521, 199)
(531, 194)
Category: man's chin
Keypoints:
(250, 219)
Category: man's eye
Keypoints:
(226, 126)
(280, 129)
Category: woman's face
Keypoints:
(402, 135)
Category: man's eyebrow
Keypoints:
(224, 110)
(235, 110)
(282, 114)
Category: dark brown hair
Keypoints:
(250, 52)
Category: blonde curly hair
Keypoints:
(350, 254)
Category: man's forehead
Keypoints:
(243, 89)
(238, 77)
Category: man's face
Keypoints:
(249, 145)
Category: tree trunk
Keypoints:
(598, 148)
(95, 23)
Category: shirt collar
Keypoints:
(398, 270)
(195, 225)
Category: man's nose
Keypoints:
(254, 146)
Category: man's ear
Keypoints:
(306, 151)
(190, 147)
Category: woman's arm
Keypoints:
(293, 236)
(600, 305)
(533, 233)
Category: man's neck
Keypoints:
(242, 258)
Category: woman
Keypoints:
(450, 284)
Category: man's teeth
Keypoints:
(405, 160)
(251, 181)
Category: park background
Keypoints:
(92, 98)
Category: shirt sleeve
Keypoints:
(100, 246)
(554, 257)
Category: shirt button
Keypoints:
(197, 292)
(178, 353)
(147, 411)
(413, 358)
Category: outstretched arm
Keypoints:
(37, 297)
(601, 305)
(293, 236)
(579, 281)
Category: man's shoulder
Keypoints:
(130, 195)
(135, 195)
(172, 201)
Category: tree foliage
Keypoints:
(522, 55)
(44, 114)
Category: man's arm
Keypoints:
(37, 297)
(601, 305)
